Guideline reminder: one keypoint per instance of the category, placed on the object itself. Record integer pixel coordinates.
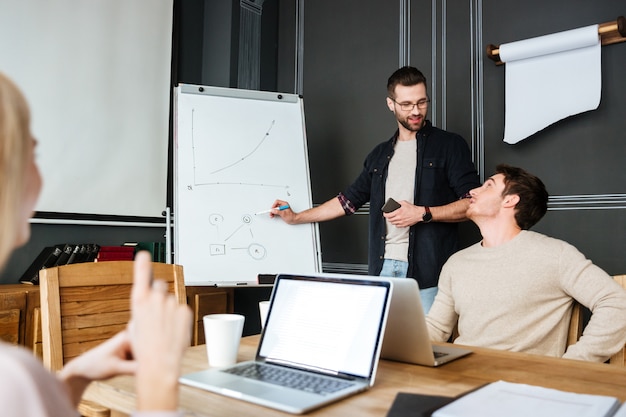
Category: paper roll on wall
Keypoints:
(549, 78)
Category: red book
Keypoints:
(115, 253)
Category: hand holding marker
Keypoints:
(279, 208)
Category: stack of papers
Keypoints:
(518, 400)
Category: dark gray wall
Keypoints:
(351, 47)
(578, 158)
(349, 52)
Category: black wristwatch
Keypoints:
(427, 217)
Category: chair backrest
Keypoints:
(576, 326)
(84, 304)
(12, 321)
(619, 359)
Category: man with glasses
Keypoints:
(428, 171)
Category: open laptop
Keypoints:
(328, 330)
(406, 336)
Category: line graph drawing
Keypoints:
(199, 164)
(243, 158)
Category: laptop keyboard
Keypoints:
(289, 378)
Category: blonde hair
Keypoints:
(14, 154)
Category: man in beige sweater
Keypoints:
(514, 290)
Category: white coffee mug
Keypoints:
(264, 307)
(222, 333)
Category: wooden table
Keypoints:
(457, 377)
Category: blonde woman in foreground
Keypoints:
(150, 348)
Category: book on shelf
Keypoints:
(115, 253)
(47, 258)
(80, 253)
(81, 256)
(74, 256)
(93, 249)
(66, 252)
(156, 249)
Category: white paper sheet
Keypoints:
(621, 412)
(508, 399)
(549, 78)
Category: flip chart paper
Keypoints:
(549, 78)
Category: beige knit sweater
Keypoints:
(518, 297)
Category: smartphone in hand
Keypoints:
(390, 205)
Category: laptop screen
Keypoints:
(327, 324)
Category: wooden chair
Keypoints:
(576, 323)
(576, 326)
(218, 300)
(84, 304)
(619, 359)
(12, 310)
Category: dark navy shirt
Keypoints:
(444, 173)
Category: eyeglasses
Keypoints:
(422, 104)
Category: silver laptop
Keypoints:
(406, 336)
(324, 333)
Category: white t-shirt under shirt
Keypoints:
(400, 185)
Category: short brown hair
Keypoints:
(533, 196)
(406, 76)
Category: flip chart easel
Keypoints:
(236, 151)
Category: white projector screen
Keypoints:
(96, 74)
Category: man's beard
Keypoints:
(411, 127)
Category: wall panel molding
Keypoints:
(587, 202)
(404, 42)
(477, 109)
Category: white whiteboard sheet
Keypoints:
(236, 151)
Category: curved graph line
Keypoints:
(249, 153)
